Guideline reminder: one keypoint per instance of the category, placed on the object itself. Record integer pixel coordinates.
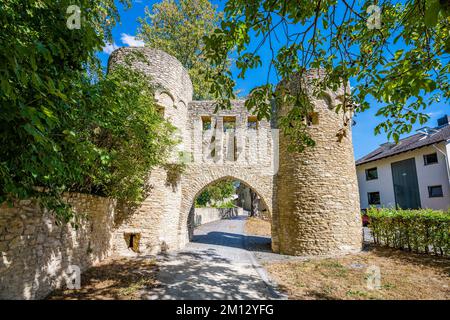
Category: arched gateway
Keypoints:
(312, 197)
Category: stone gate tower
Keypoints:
(317, 208)
(312, 199)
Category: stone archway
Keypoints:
(197, 177)
(314, 202)
(232, 178)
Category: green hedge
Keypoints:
(422, 230)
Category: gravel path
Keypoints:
(215, 265)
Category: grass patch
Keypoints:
(258, 227)
(113, 279)
(403, 276)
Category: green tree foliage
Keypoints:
(129, 135)
(402, 63)
(64, 125)
(216, 192)
(178, 28)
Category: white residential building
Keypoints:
(411, 174)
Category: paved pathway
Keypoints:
(215, 265)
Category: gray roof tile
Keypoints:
(415, 141)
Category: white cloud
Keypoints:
(131, 40)
(435, 113)
(110, 47)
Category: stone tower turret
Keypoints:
(156, 222)
(317, 191)
(173, 86)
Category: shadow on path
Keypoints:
(206, 275)
(234, 240)
(215, 265)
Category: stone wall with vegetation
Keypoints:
(160, 223)
(312, 200)
(36, 251)
(156, 221)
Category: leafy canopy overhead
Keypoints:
(64, 125)
(215, 193)
(178, 28)
(402, 63)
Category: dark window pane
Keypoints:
(374, 198)
(430, 158)
(435, 191)
(371, 174)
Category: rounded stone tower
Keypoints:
(173, 86)
(318, 210)
(156, 222)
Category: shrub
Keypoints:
(65, 126)
(215, 193)
(422, 230)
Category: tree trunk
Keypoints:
(253, 204)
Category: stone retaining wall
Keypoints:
(36, 253)
(206, 215)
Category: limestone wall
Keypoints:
(252, 146)
(311, 197)
(156, 221)
(173, 86)
(167, 73)
(36, 253)
(206, 215)
(317, 210)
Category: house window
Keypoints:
(435, 192)
(374, 198)
(252, 122)
(430, 158)
(371, 174)
(206, 123)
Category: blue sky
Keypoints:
(364, 139)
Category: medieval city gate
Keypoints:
(312, 197)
